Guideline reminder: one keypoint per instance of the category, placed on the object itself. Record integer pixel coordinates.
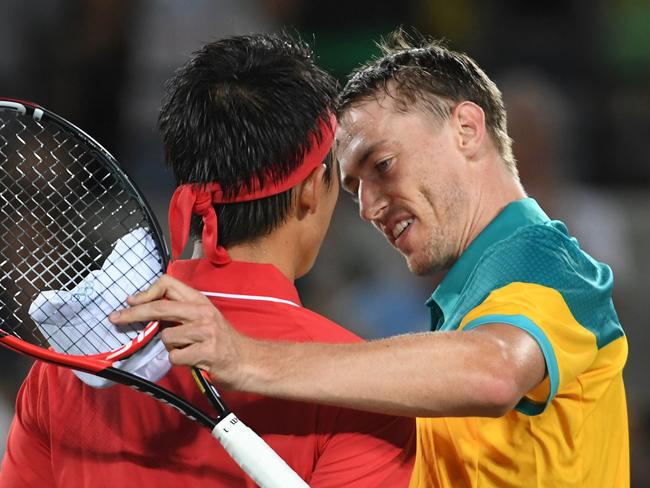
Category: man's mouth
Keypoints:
(400, 227)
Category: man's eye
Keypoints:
(383, 165)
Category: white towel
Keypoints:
(76, 321)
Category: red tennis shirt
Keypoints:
(67, 434)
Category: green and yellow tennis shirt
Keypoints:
(526, 271)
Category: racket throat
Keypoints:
(209, 390)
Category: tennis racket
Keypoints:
(64, 203)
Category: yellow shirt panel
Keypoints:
(579, 440)
(574, 346)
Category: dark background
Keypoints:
(575, 77)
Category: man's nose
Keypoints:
(371, 202)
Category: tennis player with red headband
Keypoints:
(248, 128)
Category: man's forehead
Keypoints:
(349, 134)
(373, 107)
(360, 124)
(345, 131)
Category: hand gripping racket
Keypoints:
(64, 203)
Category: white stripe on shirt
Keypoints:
(249, 297)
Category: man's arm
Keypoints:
(482, 372)
(477, 373)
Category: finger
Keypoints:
(162, 310)
(182, 336)
(191, 355)
(169, 288)
(155, 292)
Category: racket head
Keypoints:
(76, 238)
(64, 202)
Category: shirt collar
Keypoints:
(236, 277)
(515, 215)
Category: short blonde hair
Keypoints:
(415, 70)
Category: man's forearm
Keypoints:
(430, 374)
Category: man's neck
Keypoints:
(276, 249)
(496, 191)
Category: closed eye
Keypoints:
(383, 165)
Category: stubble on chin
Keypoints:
(434, 258)
(439, 252)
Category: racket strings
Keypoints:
(61, 212)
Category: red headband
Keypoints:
(199, 198)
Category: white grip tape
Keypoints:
(255, 456)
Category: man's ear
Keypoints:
(310, 191)
(468, 120)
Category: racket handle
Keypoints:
(255, 456)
